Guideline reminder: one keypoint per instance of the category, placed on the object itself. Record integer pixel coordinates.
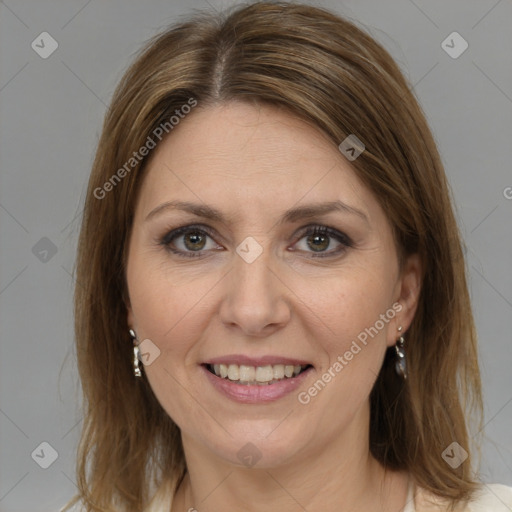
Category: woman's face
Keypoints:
(256, 290)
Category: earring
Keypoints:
(401, 364)
(136, 352)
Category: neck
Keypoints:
(337, 474)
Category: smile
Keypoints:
(256, 375)
(255, 380)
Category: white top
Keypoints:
(491, 498)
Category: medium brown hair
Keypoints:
(327, 71)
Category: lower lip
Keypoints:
(256, 394)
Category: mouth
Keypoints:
(256, 375)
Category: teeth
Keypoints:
(233, 372)
(256, 375)
(247, 373)
(279, 371)
(264, 373)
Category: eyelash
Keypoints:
(345, 241)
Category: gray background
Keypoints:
(52, 111)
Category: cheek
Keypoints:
(348, 303)
(170, 311)
(355, 313)
(166, 313)
(334, 314)
(170, 306)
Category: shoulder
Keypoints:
(160, 502)
(492, 497)
(489, 498)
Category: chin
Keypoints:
(260, 446)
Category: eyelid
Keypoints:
(327, 230)
(173, 233)
(312, 228)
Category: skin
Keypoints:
(253, 163)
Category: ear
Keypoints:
(130, 318)
(407, 293)
(126, 301)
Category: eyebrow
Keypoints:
(292, 215)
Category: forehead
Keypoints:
(250, 157)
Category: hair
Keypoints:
(328, 72)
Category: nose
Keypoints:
(256, 299)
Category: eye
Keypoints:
(319, 238)
(193, 241)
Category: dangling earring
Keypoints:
(136, 352)
(401, 364)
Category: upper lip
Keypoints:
(240, 359)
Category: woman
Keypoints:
(273, 311)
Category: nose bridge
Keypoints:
(253, 298)
(252, 266)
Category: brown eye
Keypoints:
(319, 238)
(195, 240)
(187, 241)
(318, 242)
